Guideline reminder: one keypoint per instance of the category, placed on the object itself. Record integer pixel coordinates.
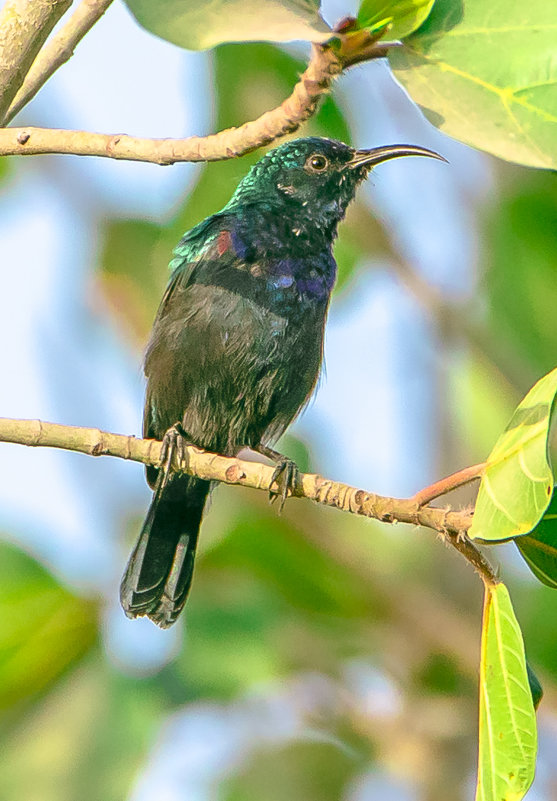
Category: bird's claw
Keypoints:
(285, 476)
(174, 444)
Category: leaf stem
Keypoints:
(449, 483)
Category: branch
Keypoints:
(453, 525)
(327, 61)
(24, 28)
(59, 50)
(448, 484)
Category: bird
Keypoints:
(237, 344)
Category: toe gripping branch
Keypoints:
(285, 476)
(173, 448)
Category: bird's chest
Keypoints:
(259, 329)
(292, 285)
(244, 365)
(276, 265)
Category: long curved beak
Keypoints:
(369, 158)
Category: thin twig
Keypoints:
(449, 483)
(453, 525)
(24, 28)
(325, 64)
(58, 50)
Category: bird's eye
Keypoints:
(317, 163)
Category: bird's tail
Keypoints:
(159, 573)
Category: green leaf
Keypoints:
(207, 23)
(44, 629)
(405, 16)
(520, 237)
(536, 689)
(486, 73)
(4, 168)
(133, 270)
(517, 483)
(539, 548)
(88, 739)
(508, 739)
(315, 768)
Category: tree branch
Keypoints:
(449, 483)
(453, 525)
(24, 28)
(327, 61)
(59, 50)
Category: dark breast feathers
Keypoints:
(234, 354)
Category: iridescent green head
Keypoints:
(315, 177)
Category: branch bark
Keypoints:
(59, 50)
(451, 524)
(24, 28)
(325, 64)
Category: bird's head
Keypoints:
(315, 179)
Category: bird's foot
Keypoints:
(285, 476)
(173, 448)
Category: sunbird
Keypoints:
(237, 343)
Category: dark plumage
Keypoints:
(237, 343)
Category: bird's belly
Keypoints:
(240, 371)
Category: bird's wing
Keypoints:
(198, 249)
(186, 256)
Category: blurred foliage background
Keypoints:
(320, 657)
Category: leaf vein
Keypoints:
(496, 503)
(526, 470)
(503, 94)
(502, 649)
